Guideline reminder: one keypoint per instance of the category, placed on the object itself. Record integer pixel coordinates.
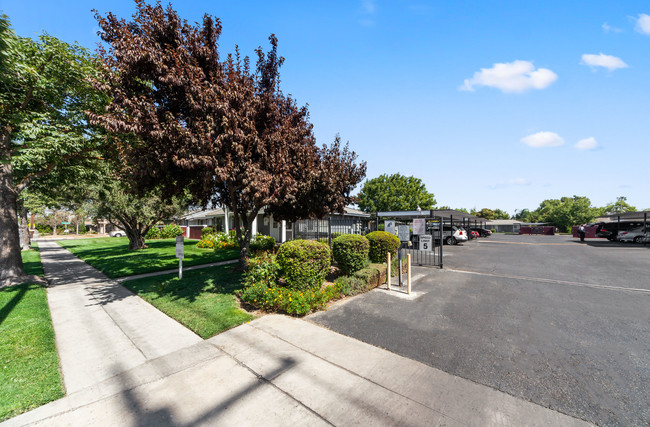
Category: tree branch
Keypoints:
(32, 176)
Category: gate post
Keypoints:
(408, 274)
(388, 273)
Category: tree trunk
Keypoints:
(244, 239)
(24, 226)
(136, 238)
(11, 262)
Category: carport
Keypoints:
(442, 217)
(630, 217)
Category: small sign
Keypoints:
(426, 243)
(65, 223)
(180, 247)
(404, 233)
(419, 226)
(389, 226)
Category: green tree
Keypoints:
(619, 206)
(394, 193)
(43, 98)
(217, 128)
(566, 212)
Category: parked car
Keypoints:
(475, 234)
(635, 235)
(451, 234)
(483, 232)
(117, 233)
(610, 230)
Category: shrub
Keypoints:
(205, 244)
(170, 230)
(291, 301)
(44, 228)
(351, 285)
(381, 243)
(207, 231)
(304, 263)
(494, 230)
(262, 268)
(262, 243)
(350, 251)
(153, 233)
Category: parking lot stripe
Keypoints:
(560, 282)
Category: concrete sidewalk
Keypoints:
(124, 364)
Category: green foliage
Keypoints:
(494, 230)
(153, 233)
(304, 263)
(566, 212)
(394, 193)
(262, 268)
(491, 214)
(206, 243)
(350, 251)
(44, 228)
(351, 285)
(262, 243)
(381, 243)
(291, 301)
(619, 206)
(170, 230)
(207, 231)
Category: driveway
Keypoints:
(544, 318)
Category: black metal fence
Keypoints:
(329, 228)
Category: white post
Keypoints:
(408, 274)
(180, 268)
(225, 220)
(283, 232)
(254, 227)
(388, 273)
(187, 230)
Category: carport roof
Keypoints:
(444, 213)
(630, 215)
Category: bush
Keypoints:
(290, 301)
(262, 243)
(44, 228)
(262, 268)
(170, 230)
(351, 285)
(350, 251)
(494, 230)
(207, 231)
(153, 233)
(205, 243)
(381, 243)
(304, 263)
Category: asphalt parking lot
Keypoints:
(554, 321)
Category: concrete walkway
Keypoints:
(124, 363)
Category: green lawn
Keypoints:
(29, 365)
(203, 300)
(32, 261)
(112, 256)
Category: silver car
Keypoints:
(635, 235)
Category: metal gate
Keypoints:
(426, 249)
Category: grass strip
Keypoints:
(204, 300)
(112, 256)
(29, 364)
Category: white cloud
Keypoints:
(643, 24)
(543, 139)
(587, 144)
(609, 29)
(601, 60)
(517, 76)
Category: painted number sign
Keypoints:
(426, 243)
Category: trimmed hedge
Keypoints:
(170, 230)
(381, 243)
(304, 263)
(350, 251)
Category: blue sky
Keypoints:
(492, 104)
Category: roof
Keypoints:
(627, 216)
(355, 212)
(202, 214)
(426, 213)
(503, 222)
